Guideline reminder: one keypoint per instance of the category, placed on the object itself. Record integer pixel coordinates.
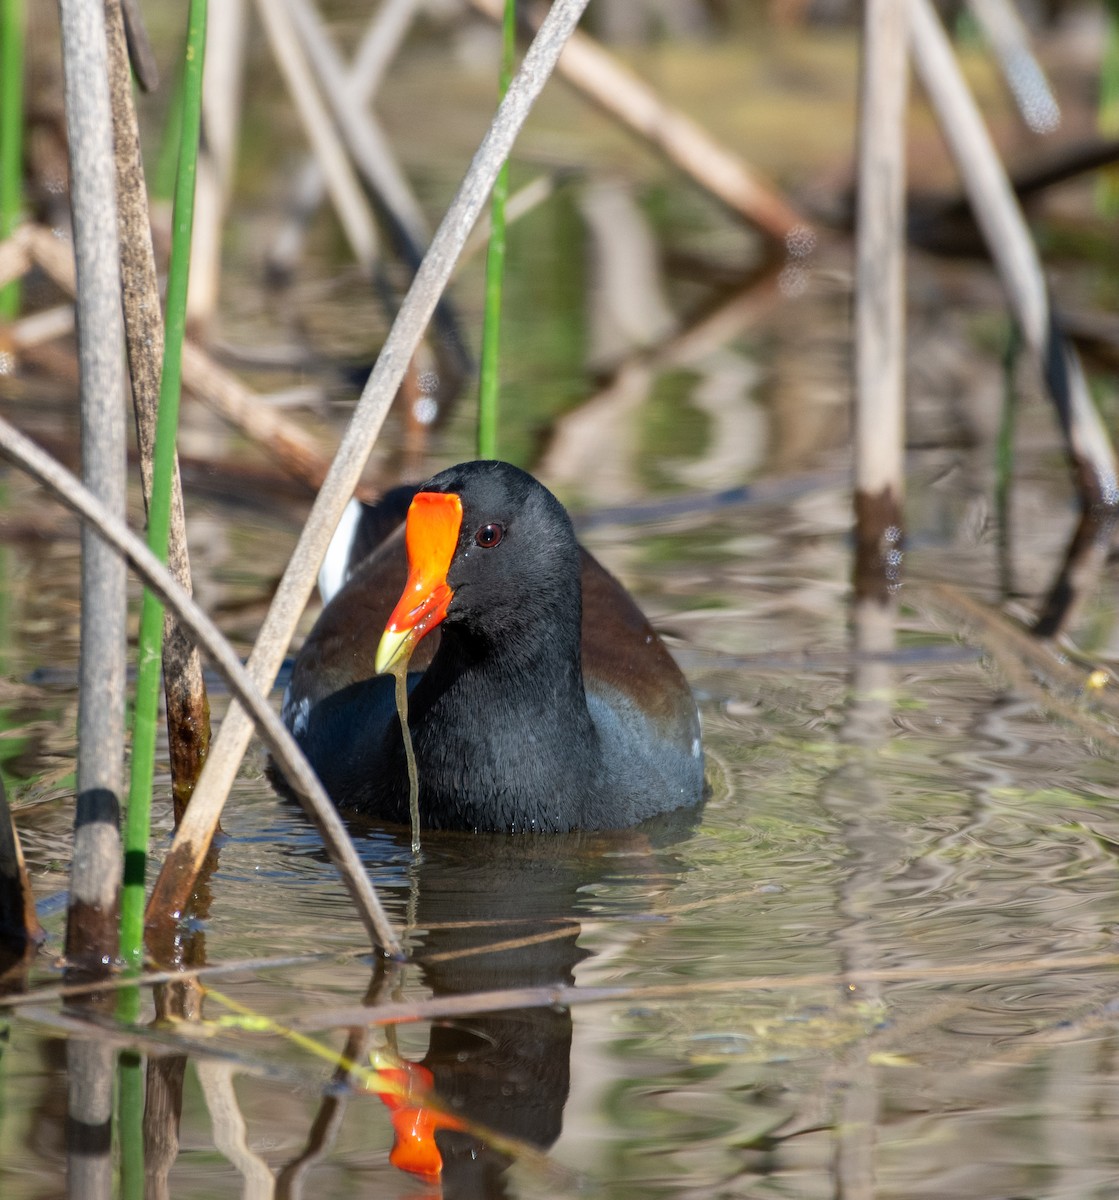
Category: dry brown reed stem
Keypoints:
(183, 974)
(221, 118)
(369, 149)
(291, 446)
(274, 734)
(341, 183)
(284, 439)
(188, 712)
(91, 933)
(378, 46)
(37, 328)
(375, 162)
(194, 835)
(1008, 240)
(602, 78)
(15, 259)
(879, 301)
(1010, 40)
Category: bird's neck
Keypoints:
(524, 677)
(507, 725)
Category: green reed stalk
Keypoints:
(1107, 118)
(12, 29)
(138, 822)
(130, 1107)
(495, 264)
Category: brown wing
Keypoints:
(620, 648)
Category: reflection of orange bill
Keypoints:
(414, 1126)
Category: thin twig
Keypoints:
(370, 151)
(116, 983)
(1025, 76)
(285, 440)
(375, 162)
(569, 996)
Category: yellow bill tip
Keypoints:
(395, 646)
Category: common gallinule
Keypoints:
(548, 702)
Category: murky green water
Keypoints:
(890, 957)
(879, 962)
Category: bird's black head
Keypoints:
(492, 553)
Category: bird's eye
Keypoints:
(489, 535)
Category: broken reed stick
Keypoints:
(1014, 254)
(125, 545)
(91, 931)
(14, 260)
(322, 134)
(597, 74)
(435, 1008)
(188, 712)
(879, 301)
(37, 328)
(194, 835)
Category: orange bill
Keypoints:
(430, 535)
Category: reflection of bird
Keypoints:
(549, 703)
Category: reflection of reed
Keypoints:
(598, 439)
